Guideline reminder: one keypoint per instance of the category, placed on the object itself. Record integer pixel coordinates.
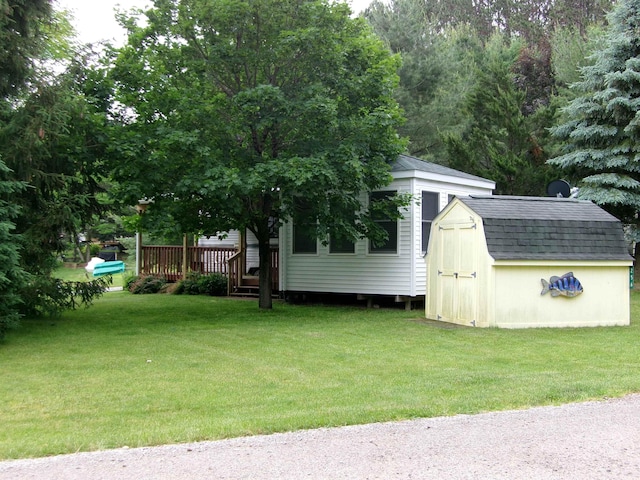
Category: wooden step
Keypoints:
(250, 280)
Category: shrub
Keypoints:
(129, 280)
(197, 284)
(145, 284)
(51, 296)
(190, 285)
(214, 284)
(94, 249)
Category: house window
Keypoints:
(430, 208)
(304, 238)
(387, 224)
(339, 245)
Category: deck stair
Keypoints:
(247, 287)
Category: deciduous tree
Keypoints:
(242, 112)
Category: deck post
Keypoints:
(141, 207)
(138, 251)
(184, 257)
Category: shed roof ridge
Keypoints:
(529, 199)
(548, 228)
(519, 208)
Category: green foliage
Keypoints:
(12, 277)
(60, 130)
(571, 52)
(601, 131)
(53, 124)
(445, 43)
(21, 41)
(51, 296)
(129, 280)
(143, 284)
(437, 68)
(240, 112)
(214, 284)
(501, 142)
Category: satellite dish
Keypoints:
(559, 188)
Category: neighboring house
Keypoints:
(396, 269)
(494, 261)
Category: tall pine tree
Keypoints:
(500, 142)
(602, 125)
(11, 275)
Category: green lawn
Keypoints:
(146, 370)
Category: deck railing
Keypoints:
(235, 276)
(167, 260)
(238, 277)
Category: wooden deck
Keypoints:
(167, 261)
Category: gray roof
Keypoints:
(406, 163)
(545, 228)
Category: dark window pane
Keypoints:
(430, 208)
(304, 235)
(390, 226)
(304, 240)
(341, 246)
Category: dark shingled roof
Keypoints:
(406, 163)
(545, 228)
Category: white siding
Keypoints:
(401, 274)
(232, 239)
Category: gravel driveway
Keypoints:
(593, 440)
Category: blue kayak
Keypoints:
(108, 268)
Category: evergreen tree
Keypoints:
(52, 135)
(21, 40)
(11, 275)
(500, 141)
(602, 127)
(438, 62)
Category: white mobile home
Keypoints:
(396, 269)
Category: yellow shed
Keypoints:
(519, 262)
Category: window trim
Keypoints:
(294, 251)
(372, 250)
(436, 195)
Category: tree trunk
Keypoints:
(264, 250)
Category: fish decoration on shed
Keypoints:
(567, 285)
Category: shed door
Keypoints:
(457, 278)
